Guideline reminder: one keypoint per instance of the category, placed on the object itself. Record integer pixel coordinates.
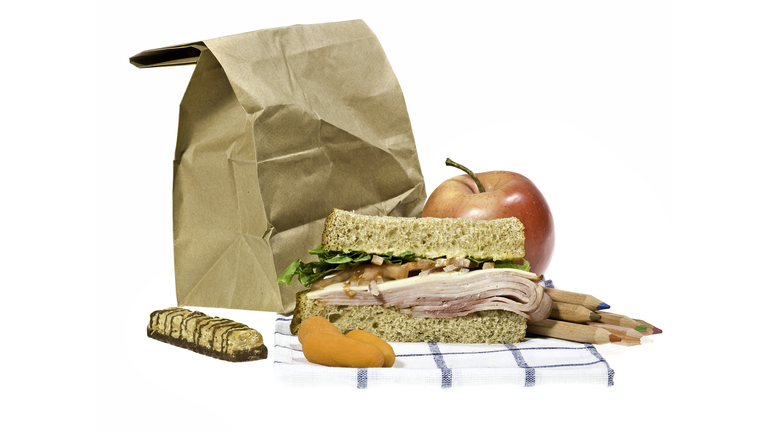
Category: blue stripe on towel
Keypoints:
(597, 355)
(446, 374)
(530, 373)
(362, 378)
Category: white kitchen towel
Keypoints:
(532, 362)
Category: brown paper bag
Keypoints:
(276, 128)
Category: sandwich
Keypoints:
(421, 279)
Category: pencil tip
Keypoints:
(613, 338)
(602, 306)
(594, 317)
(656, 330)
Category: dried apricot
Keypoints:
(316, 324)
(338, 350)
(386, 349)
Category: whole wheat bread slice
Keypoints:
(488, 327)
(499, 239)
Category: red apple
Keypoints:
(504, 194)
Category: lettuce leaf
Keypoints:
(525, 265)
(331, 261)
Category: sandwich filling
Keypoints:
(334, 266)
(445, 294)
(419, 287)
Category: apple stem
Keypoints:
(449, 162)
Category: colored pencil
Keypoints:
(616, 319)
(572, 332)
(625, 321)
(588, 301)
(572, 312)
(649, 327)
(630, 341)
(621, 332)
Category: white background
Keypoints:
(643, 123)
